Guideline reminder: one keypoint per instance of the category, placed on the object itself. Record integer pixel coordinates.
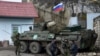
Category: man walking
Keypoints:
(53, 48)
(74, 48)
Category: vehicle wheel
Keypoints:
(62, 51)
(48, 50)
(23, 47)
(35, 47)
(58, 52)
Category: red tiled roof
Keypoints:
(16, 9)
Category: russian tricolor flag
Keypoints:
(59, 7)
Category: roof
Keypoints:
(17, 9)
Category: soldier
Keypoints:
(30, 28)
(66, 48)
(17, 44)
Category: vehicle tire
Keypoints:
(48, 50)
(62, 51)
(58, 52)
(23, 47)
(35, 47)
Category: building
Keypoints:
(15, 16)
(12, 0)
(90, 17)
(97, 28)
(27, 0)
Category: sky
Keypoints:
(12, 0)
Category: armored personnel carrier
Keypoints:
(36, 41)
(55, 26)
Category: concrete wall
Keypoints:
(97, 29)
(6, 26)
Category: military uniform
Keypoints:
(17, 44)
(65, 48)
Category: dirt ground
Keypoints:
(10, 52)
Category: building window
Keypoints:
(14, 28)
(24, 0)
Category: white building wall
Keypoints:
(12, 0)
(6, 27)
(73, 21)
(90, 17)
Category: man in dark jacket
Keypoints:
(74, 48)
(53, 48)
